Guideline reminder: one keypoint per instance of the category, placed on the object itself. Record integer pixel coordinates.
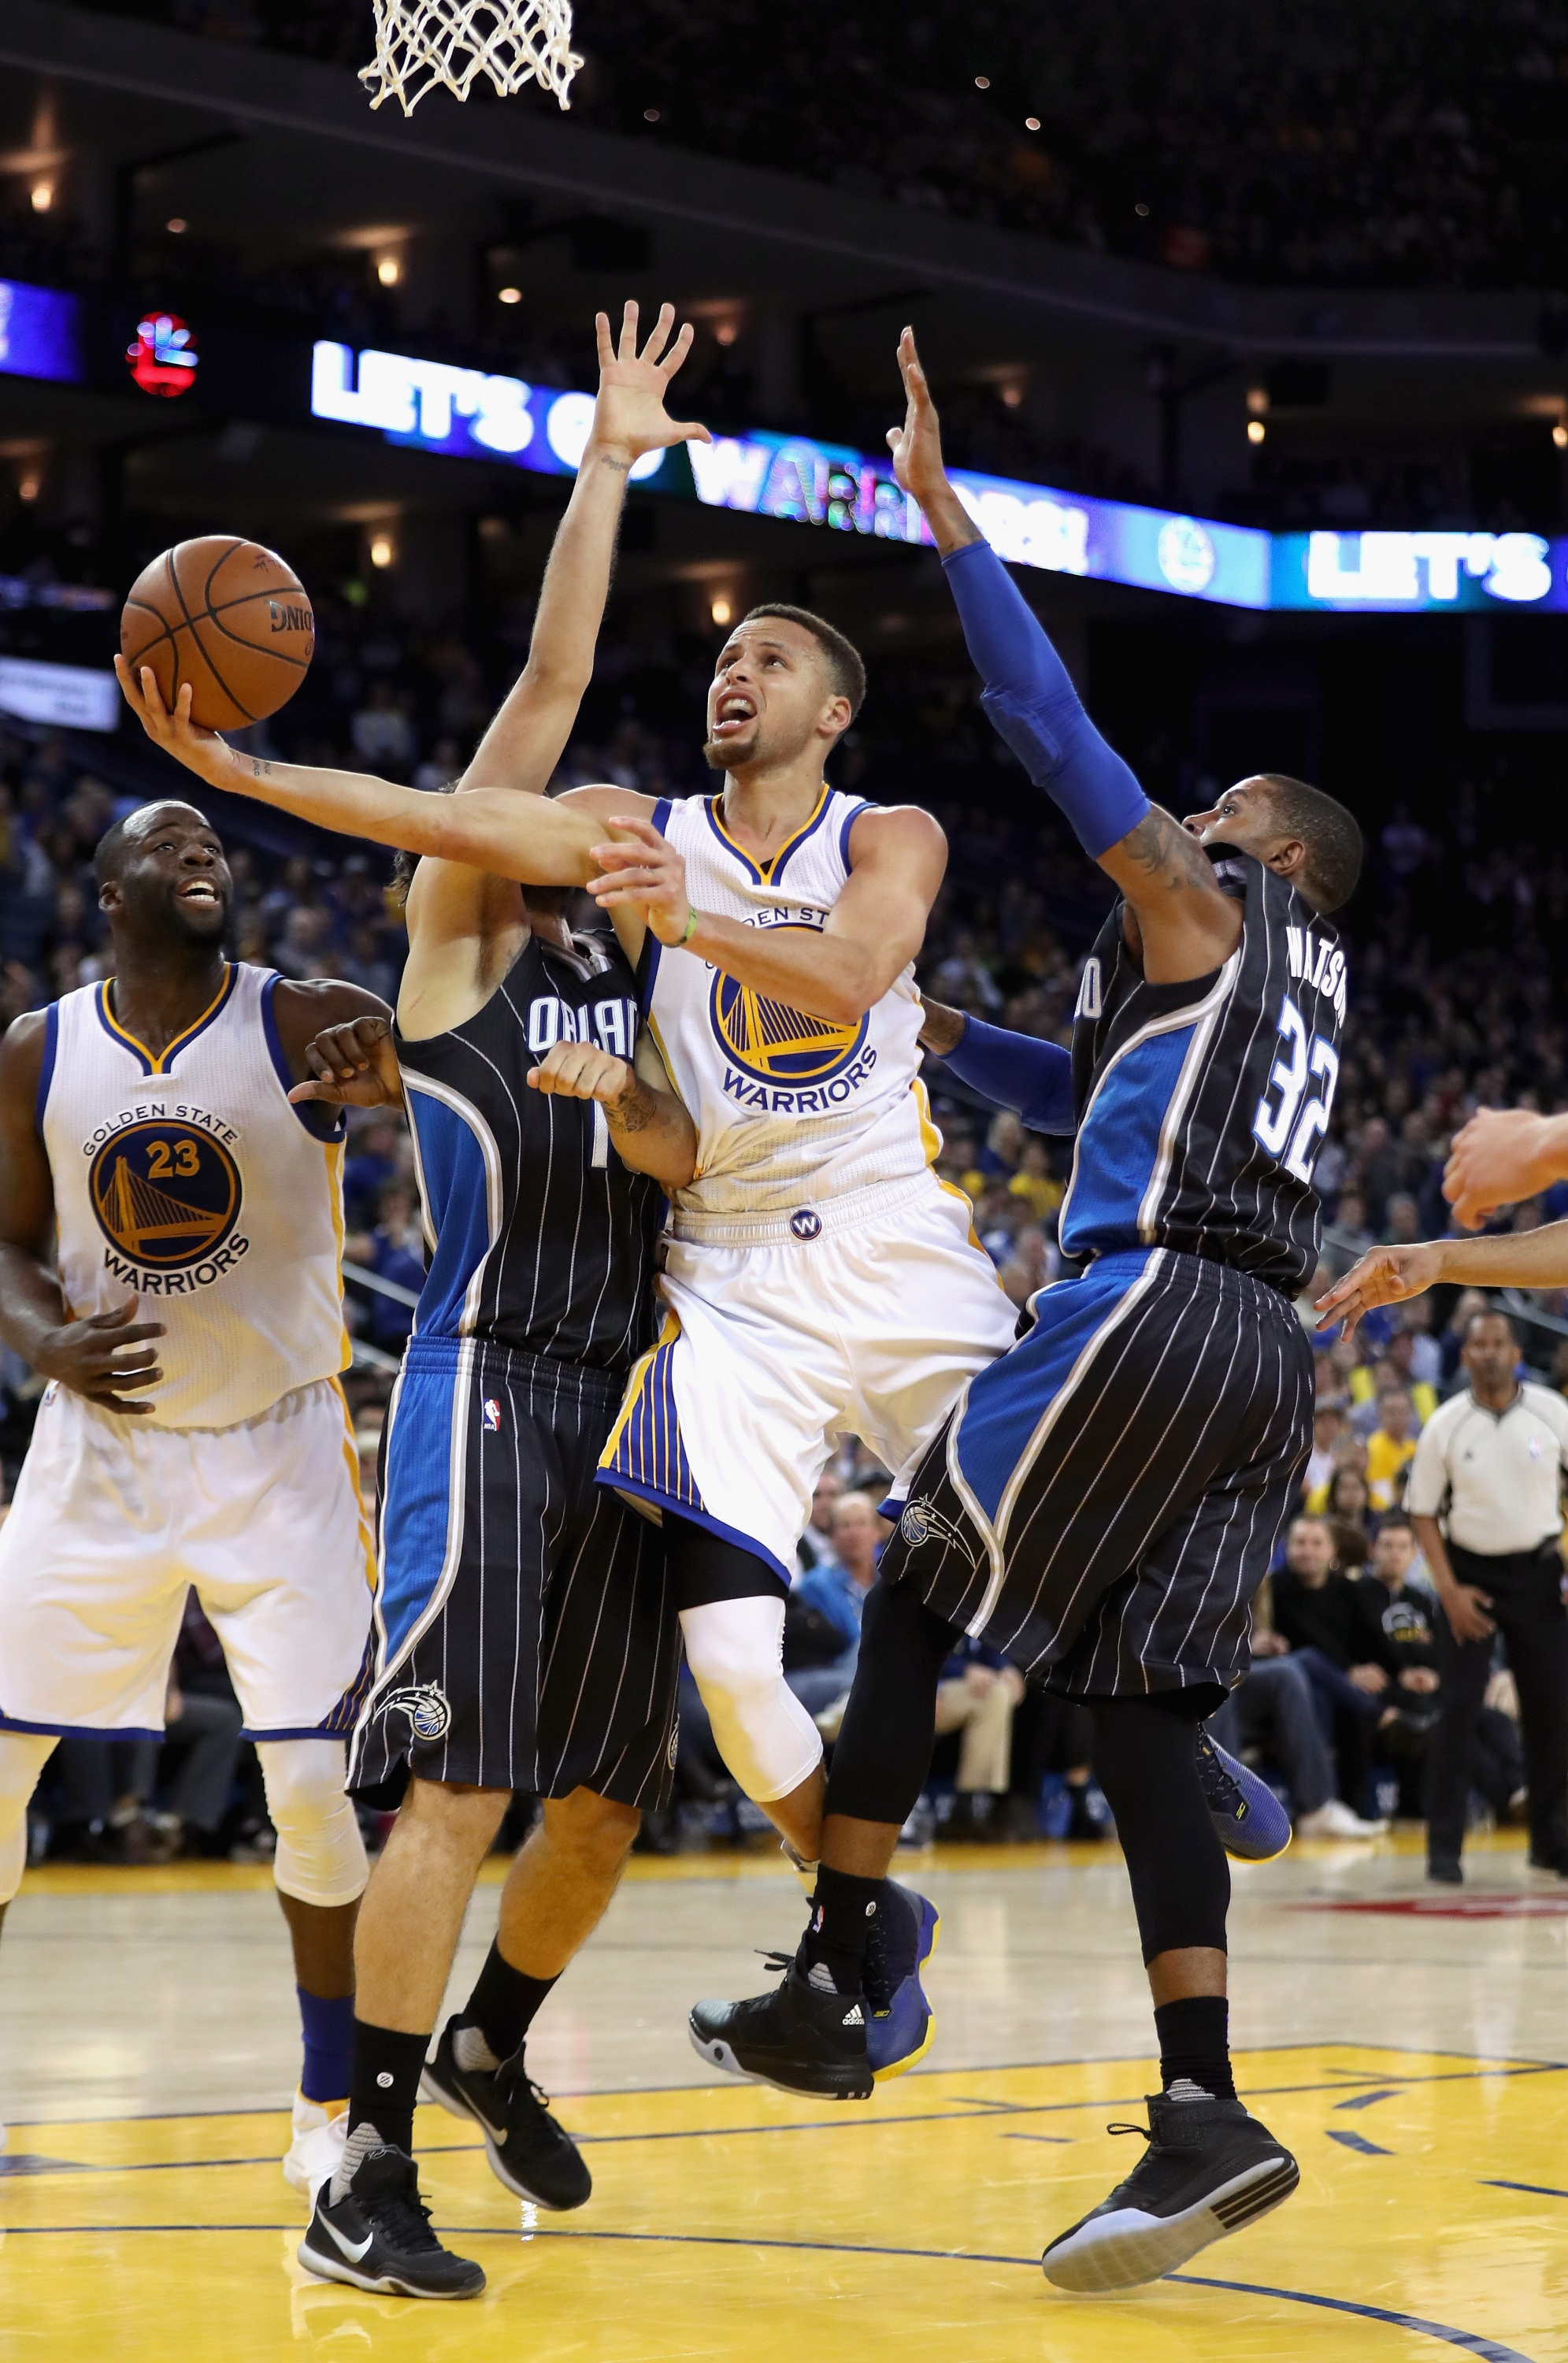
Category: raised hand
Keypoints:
(202, 751)
(353, 1065)
(916, 447)
(648, 874)
(629, 417)
(104, 1356)
(1384, 1276)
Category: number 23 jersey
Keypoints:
(191, 1179)
(1202, 1105)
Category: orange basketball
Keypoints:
(229, 617)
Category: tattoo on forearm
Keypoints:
(634, 1110)
(258, 770)
(621, 467)
(1167, 852)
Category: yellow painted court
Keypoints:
(731, 2221)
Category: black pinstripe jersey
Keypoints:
(539, 1236)
(1202, 1106)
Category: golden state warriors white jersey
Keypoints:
(191, 1179)
(788, 1107)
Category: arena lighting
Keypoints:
(721, 610)
(42, 195)
(470, 414)
(38, 333)
(1560, 435)
(389, 270)
(382, 550)
(1256, 431)
(163, 357)
(509, 294)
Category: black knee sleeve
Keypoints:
(704, 1567)
(883, 1752)
(1145, 1760)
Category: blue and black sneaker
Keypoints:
(1252, 1822)
(899, 2025)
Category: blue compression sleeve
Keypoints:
(1018, 1071)
(1033, 704)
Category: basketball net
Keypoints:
(422, 43)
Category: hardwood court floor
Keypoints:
(1404, 2042)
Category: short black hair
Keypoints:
(109, 853)
(845, 665)
(1492, 1313)
(1330, 834)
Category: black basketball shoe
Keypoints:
(1209, 2169)
(528, 2151)
(375, 2234)
(804, 2036)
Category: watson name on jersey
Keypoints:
(193, 1181)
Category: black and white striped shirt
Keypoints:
(539, 1236)
(1202, 1105)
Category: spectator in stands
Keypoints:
(815, 1547)
(370, 1166)
(1321, 1611)
(1490, 1465)
(1390, 1449)
(381, 734)
(976, 1697)
(202, 1728)
(835, 1592)
(1417, 1365)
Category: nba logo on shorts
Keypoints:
(491, 1416)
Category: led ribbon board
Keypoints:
(437, 407)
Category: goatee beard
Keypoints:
(723, 755)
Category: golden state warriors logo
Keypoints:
(166, 1194)
(773, 1044)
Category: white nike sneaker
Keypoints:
(320, 2130)
(1335, 1820)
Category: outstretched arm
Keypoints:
(1189, 926)
(1012, 1071)
(525, 742)
(1389, 1275)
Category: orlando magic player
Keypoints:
(525, 1634)
(1103, 1500)
(146, 1123)
(820, 1278)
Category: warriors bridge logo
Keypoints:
(773, 1044)
(167, 1198)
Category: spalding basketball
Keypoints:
(229, 617)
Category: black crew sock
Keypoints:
(503, 2004)
(383, 2081)
(839, 1930)
(1195, 2047)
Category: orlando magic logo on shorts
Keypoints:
(918, 1523)
(426, 1707)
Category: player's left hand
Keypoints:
(1384, 1276)
(916, 445)
(577, 1070)
(353, 1065)
(1502, 1155)
(648, 873)
(629, 417)
(202, 751)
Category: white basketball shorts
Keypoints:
(113, 1519)
(862, 1315)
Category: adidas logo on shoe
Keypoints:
(854, 2017)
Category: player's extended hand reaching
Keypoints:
(353, 1065)
(1384, 1276)
(1500, 1157)
(629, 418)
(647, 874)
(916, 447)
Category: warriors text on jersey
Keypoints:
(786, 1105)
(1202, 1105)
(540, 1237)
(191, 1179)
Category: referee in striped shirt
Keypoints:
(1488, 1469)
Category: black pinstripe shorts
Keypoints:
(526, 1635)
(1104, 1500)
